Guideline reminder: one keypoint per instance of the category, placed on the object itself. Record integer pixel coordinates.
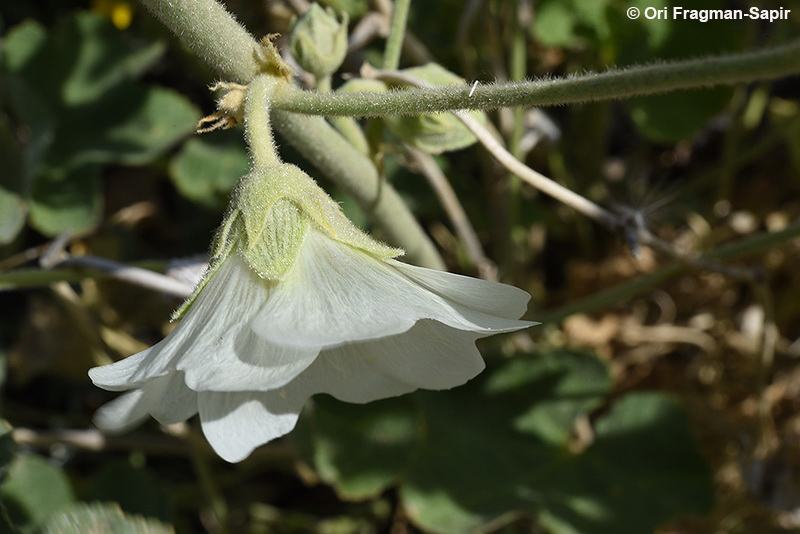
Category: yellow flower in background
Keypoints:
(119, 12)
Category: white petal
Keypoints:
(429, 356)
(173, 402)
(349, 373)
(236, 423)
(123, 413)
(335, 294)
(166, 398)
(492, 298)
(245, 362)
(206, 333)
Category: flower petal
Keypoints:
(351, 374)
(166, 398)
(247, 362)
(205, 333)
(235, 423)
(123, 413)
(429, 356)
(335, 294)
(492, 298)
(174, 402)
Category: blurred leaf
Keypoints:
(74, 89)
(675, 116)
(66, 200)
(12, 204)
(96, 517)
(83, 58)
(7, 447)
(135, 490)
(206, 168)
(362, 449)
(434, 132)
(502, 443)
(34, 489)
(558, 387)
(354, 8)
(564, 23)
(642, 470)
(131, 125)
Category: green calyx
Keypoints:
(319, 41)
(274, 208)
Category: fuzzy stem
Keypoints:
(215, 36)
(397, 30)
(257, 127)
(610, 85)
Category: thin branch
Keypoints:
(613, 84)
(397, 30)
(452, 206)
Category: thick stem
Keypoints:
(610, 85)
(216, 37)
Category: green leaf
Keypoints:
(675, 116)
(564, 23)
(66, 200)
(643, 469)
(12, 203)
(84, 57)
(134, 489)
(206, 168)
(362, 449)
(7, 447)
(502, 443)
(96, 517)
(131, 125)
(558, 387)
(33, 491)
(438, 132)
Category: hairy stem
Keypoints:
(610, 85)
(258, 130)
(217, 38)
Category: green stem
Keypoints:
(215, 36)
(257, 127)
(397, 30)
(610, 85)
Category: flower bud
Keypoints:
(319, 41)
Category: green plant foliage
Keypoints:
(667, 118)
(567, 23)
(33, 490)
(436, 132)
(361, 450)
(12, 205)
(206, 168)
(134, 489)
(353, 8)
(467, 456)
(96, 517)
(75, 90)
(6, 448)
(620, 40)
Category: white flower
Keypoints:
(340, 320)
